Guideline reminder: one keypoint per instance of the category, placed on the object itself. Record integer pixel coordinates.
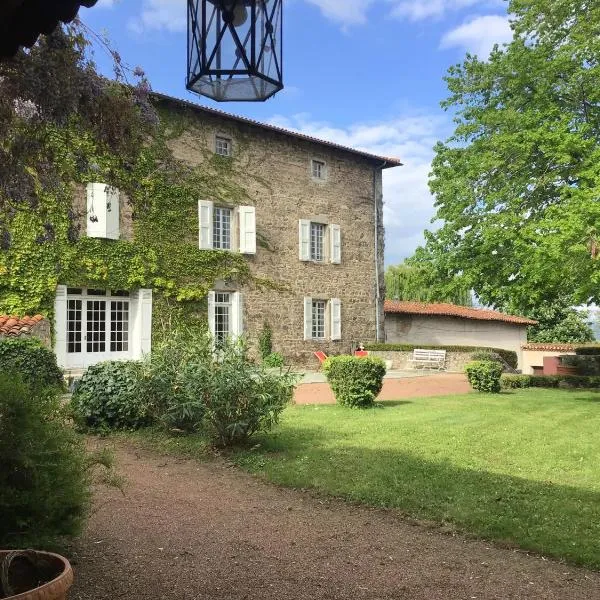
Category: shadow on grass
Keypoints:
(391, 403)
(551, 519)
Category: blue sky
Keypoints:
(364, 73)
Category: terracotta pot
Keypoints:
(57, 588)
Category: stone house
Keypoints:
(451, 325)
(311, 222)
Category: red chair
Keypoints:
(361, 353)
(321, 356)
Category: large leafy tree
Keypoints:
(517, 185)
(559, 322)
(414, 280)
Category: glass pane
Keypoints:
(73, 325)
(318, 319)
(317, 235)
(119, 326)
(96, 325)
(222, 228)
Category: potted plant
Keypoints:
(33, 575)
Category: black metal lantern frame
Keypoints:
(235, 49)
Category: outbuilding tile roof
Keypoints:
(548, 347)
(15, 326)
(452, 310)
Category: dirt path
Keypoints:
(393, 389)
(186, 530)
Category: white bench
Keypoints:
(432, 359)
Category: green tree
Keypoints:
(559, 322)
(517, 185)
(418, 281)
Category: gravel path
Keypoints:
(421, 386)
(188, 530)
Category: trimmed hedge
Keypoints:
(586, 364)
(587, 350)
(509, 356)
(550, 381)
(484, 375)
(30, 359)
(355, 381)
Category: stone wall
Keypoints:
(40, 330)
(455, 361)
(275, 170)
(455, 331)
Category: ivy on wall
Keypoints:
(42, 232)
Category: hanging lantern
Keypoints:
(235, 49)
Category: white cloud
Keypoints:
(169, 15)
(349, 12)
(416, 10)
(408, 203)
(479, 35)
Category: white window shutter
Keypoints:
(60, 325)
(237, 315)
(205, 220)
(247, 229)
(211, 313)
(145, 316)
(96, 210)
(307, 318)
(112, 213)
(304, 239)
(335, 238)
(336, 319)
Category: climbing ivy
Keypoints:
(42, 226)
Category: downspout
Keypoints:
(376, 220)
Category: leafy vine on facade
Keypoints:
(112, 134)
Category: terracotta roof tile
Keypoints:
(386, 161)
(548, 347)
(453, 310)
(15, 326)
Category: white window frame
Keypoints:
(318, 169)
(332, 319)
(318, 235)
(222, 236)
(242, 227)
(235, 317)
(223, 145)
(332, 242)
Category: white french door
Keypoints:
(98, 326)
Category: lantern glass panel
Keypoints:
(235, 48)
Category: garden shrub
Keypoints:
(108, 397)
(30, 359)
(265, 341)
(44, 474)
(586, 364)
(275, 359)
(355, 381)
(509, 356)
(550, 381)
(587, 350)
(243, 398)
(173, 382)
(484, 376)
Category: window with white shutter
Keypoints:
(308, 318)
(335, 239)
(304, 239)
(225, 315)
(205, 218)
(336, 318)
(247, 219)
(102, 211)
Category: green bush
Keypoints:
(174, 381)
(30, 359)
(265, 341)
(243, 398)
(44, 475)
(550, 381)
(355, 381)
(108, 397)
(275, 359)
(587, 350)
(484, 376)
(509, 356)
(586, 364)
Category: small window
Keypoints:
(91, 292)
(222, 228)
(318, 169)
(222, 316)
(223, 146)
(317, 237)
(318, 319)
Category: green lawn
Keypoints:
(522, 467)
